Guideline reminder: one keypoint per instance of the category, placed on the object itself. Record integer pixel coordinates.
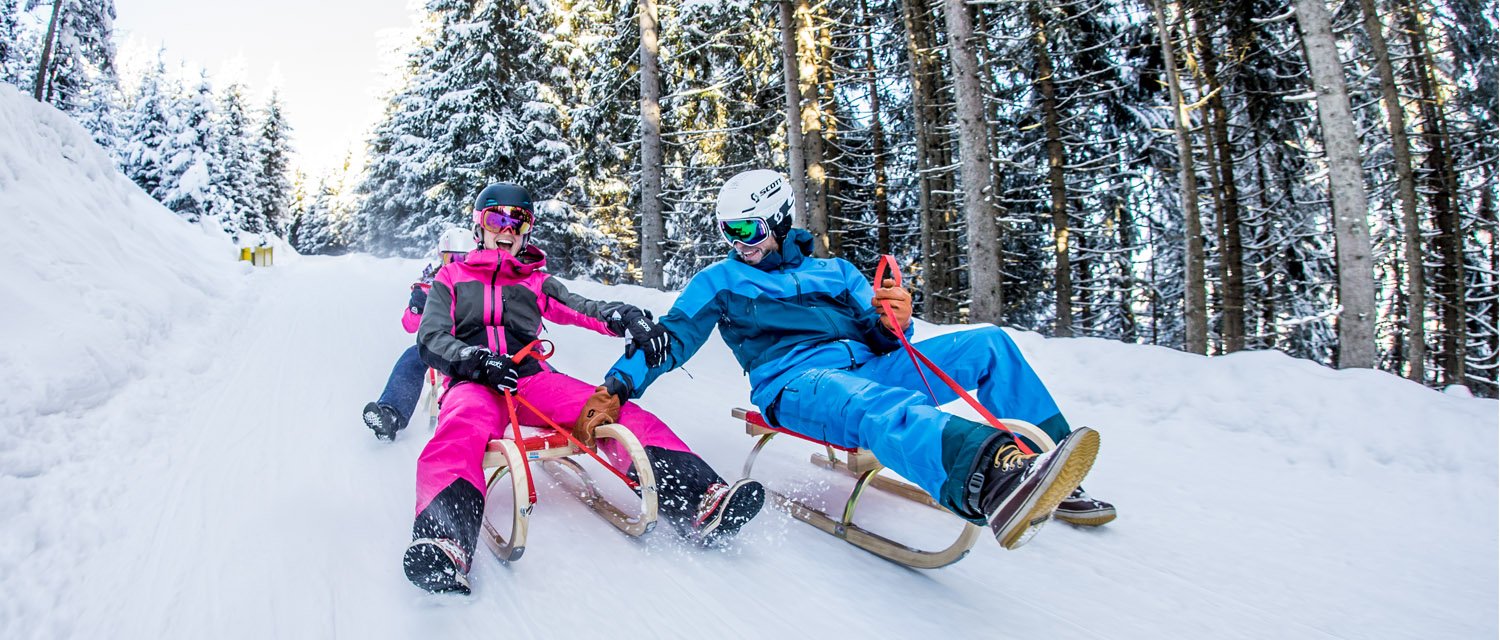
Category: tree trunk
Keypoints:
(974, 153)
(1195, 308)
(1415, 333)
(43, 66)
(1346, 188)
(794, 163)
(933, 194)
(1227, 199)
(1268, 329)
(808, 65)
(877, 142)
(653, 231)
(1056, 181)
(833, 184)
(1437, 171)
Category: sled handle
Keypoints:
(539, 349)
(887, 259)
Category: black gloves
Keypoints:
(478, 364)
(418, 299)
(646, 335)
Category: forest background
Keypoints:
(1308, 176)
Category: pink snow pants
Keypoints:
(473, 414)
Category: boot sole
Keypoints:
(744, 502)
(1063, 476)
(376, 422)
(1086, 521)
(429, 568)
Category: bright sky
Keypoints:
(326, 56)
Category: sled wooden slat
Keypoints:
(553, 450)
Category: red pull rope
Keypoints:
(576, 443)
(917, 355)
(515, 425)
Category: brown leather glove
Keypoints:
(900, 300)
(600, 409)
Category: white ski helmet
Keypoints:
(456, 240)
(760, 194)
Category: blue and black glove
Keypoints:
(645, 335)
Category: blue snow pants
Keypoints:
(882, 405)
(405, 384)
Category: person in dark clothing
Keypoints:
(389, 414)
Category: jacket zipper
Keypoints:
(495, 300)
(832, 328)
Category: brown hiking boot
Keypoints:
(1021, 491)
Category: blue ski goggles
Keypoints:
(747, 231)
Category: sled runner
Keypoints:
(552, 449)
(862, 465)
(432, 389)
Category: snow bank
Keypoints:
(95, 272)
(101, 286)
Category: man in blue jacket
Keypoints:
(823, 362)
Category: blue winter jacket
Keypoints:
(790, 313)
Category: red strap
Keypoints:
(539, 349)
(566, 432)
(515, 425)
(917, 355)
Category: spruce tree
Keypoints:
(148, 133)
(274, 151)
(191, 158)
(233, 185)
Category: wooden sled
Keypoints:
(862, 465)
(552, 450)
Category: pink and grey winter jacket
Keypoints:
(495, 300)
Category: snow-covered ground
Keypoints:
(181, 456)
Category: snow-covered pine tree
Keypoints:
(191, 157)
(18, 46)
(721, 112)
(148, 131)
(329, 219)
(233, 185)
(274, 152)
(605, 119)
(80, 54)
(397, 175)
(99, 112)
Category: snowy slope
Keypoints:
(181, 456)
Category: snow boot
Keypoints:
(1019, 492)
(383, 420)
(438, 565)
(1084, 510)
(724, 509)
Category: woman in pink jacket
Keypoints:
(492, 304)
